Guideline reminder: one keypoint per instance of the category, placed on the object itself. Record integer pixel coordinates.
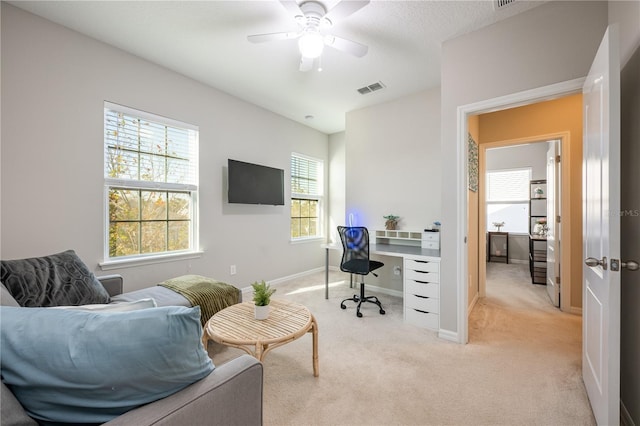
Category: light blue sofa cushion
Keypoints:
(89, 367)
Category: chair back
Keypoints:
(355, 249)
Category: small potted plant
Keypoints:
(392, 221)
(262, 297)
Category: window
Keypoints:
(306, 197)
(151, 184)
(508, 199)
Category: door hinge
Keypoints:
(557, 158)
(558, 280)
(558, 219)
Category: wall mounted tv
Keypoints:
(255, 184)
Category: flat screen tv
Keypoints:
(255, 184)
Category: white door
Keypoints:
(553, 228)
(601, 233)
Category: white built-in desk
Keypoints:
(421, 280)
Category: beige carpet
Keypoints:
(521, 366)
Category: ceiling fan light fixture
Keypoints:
(311, 44)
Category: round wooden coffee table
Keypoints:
(236, 326)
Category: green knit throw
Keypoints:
(211, 295)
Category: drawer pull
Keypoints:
(423, 272)
(421, 311)
(422, 297)
(422, 282)
(421, 261)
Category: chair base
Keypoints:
(362, 299)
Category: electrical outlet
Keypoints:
(232, 269)
(397, 270)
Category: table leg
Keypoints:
(326, 274)
(259, 354)
(314, 330)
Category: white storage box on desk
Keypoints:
(422, 292)
(431, 239)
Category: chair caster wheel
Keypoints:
(359, 314)
(382, 312)
(342, 306)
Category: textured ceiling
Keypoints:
(207, 41)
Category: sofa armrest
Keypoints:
(230, 395)
(114, 284)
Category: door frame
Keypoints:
(462, 220)
(565, 233)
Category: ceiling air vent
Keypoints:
(371, 88)
(500, 4)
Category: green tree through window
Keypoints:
(151, 179)
(306, 196)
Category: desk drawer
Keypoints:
(425, 304)
(430, 236)
(430, 245)
(421, 319)
(425, 277)
(421, 289)
(422, 265)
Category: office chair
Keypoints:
(355, 260)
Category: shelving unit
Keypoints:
(426, 239)
(537, 242)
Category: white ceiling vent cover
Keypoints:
(371, 88)
(501, 4)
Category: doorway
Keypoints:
(518, 194)
(542, 129)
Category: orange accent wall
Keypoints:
(544, 118)
(473, 240)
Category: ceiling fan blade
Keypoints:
(352, 47)
(292, 7)
(261, 38)
(344, 9)
(306, 64)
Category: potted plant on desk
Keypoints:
(392, 221)
(262, 297)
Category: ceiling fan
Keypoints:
(312, 18)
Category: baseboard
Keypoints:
(448, 335)
(625, 417)
(277, 281)
(472, 304)
(575, 310)
(390, 292)
(520, 261)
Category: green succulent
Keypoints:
(262, 293)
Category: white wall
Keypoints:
(54, 82)
(393, 162)
(551, 43)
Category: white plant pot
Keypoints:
(261, 312)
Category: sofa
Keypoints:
(69, 359)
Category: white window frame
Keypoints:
(524, 201)
(319, 196)
(191, 187)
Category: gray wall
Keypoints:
(551, 43)
(54, 82)
(628, 15)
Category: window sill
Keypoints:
(108, 265)
(307, 240)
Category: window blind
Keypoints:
(508, 185)
(305, 176)
(149, 151)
